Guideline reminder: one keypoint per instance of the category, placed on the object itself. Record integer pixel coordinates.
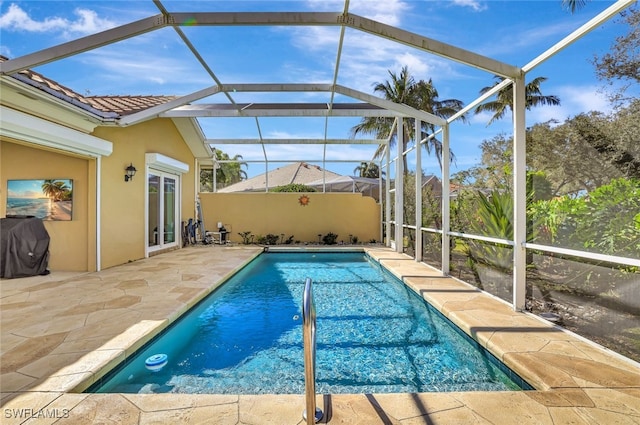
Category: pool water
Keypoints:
(374, 335)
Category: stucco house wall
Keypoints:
(123, 203)
(72, 245)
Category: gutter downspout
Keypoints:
(98, 212)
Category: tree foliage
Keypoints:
(582, 180)
(607, 220)
(504, 98)
(227, 173)
(622, 62)
(402, 88)
(578, 155)
(293, 187)
(367, 170)
(573, 5)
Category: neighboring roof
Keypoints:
(109, 105)
(299, 172)
(353, 184)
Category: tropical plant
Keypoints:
(573, 5)
(56, 190)
(504, 98)
(422, 95)
(227, 173)
(247, 238)
(368, 170)
(606, 221)
(293, 187)
(330, 238)
(269, 239)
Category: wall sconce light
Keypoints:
(130, 172)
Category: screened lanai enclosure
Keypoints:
(535, 204)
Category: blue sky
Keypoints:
(157, 63)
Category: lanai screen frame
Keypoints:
(368, 105)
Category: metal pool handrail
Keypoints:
(309, 340)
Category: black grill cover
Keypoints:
(24, 247)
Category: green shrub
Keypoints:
(606, 220)
(293, 187)
(330, 238)
(246, 237)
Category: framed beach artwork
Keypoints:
(44, 199)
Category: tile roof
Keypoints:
(125, 105)
(120, 105)
(299, 172)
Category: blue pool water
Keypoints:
(374, 335)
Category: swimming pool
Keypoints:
(375, 335)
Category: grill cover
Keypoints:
(24, 247)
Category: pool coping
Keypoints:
(575, 378)
(494, 324)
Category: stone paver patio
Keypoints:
(62, 332)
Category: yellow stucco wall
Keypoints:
(262, 213)
(123, 203)
(72, 245)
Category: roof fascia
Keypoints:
(84, 44)
(193, 136)
(32, 129)
(39, 101)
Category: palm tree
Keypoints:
(421, 95)
(573, 5)
(56, 190)
(367, 169)
(504, 98)
(227, 173)
(49, 188)
(61, 191)
(232, 172)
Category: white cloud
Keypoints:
(366, 58)
(5, 51)
(573, 101)
(280, 134)
(482, 118)
(514, 38)
(473, 4)
(388, 12)
(86, 22)
(120, 65)
(416, 65)
(17, 19)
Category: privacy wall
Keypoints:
(301, 215)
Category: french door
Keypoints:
(162, 211)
